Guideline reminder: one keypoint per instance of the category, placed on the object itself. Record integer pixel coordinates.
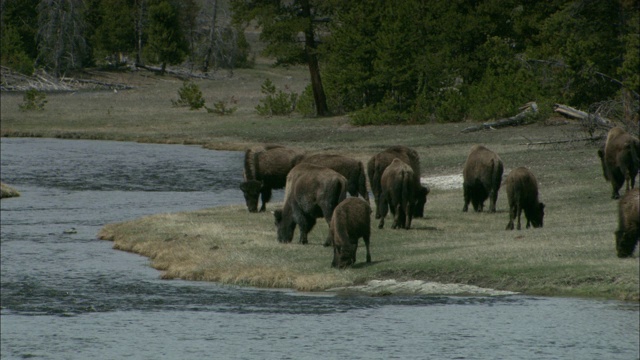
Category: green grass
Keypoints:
(573, 255)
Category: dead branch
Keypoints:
(519, 119)
(593, 119)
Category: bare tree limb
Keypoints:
(519, 119)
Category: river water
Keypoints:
(67, 295)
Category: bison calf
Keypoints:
(628, 218)
(482, 175)
(522, 192)
(398, 185)
(351, 221)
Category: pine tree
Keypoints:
(166, 43)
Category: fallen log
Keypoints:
(594, 119)
(519, 119)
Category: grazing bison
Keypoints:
(398, 186)
(266, 168)
(482, 175)
(351, 169)
(522, 192)
(351, 221)
(312, 192)
(628, 218)
(379, 162)
(619, 158)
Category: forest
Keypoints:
(382, 61)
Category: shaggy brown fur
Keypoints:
(482, 175)
(619, 159)
(351, 169)
(398, 192)
(522, 192)
(266, 168)
(351, 221)
(312, 192)
(628, 218)
(379, 162)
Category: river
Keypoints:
(67, 295)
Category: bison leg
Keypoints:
(518, 213)
(306, 223)
(512, 215)
(383, 209)
(493, 198)
(398, 219)
(626, 242)
(266, 196)
(366, 245)
(467, 198)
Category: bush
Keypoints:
(222, 108)
(379, 114)
(189, 95)
(276, 102)
(33, 100)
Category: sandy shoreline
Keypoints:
(417, 287)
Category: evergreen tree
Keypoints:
(166, 43)
(290, 30)
(115, 35)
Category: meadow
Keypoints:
(572, 255)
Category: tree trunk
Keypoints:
(212, 38)
(581, 115)
(312, 59)
(511, 121)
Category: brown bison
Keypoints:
(351, 221)
(619, 158)
(482, 175)
(398, 185)
(312, 192)
(351, 169)
(522, 192)
(266, 168)
(379, 162)
(628, 219)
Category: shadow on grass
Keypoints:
(363, 264)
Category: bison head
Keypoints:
(537, 217)
(421, 200)
(285, 225)
(251, 191)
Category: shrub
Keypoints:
(33, 100)
(379, 114)
(276, 102)
(222, 108)
(189, 95)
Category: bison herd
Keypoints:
(316, 186)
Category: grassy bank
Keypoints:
(573, 255)
(7, 191)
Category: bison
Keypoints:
(628, 218)
(312, 192)
(379, 162)
(351, 169)
(482, 175)
(398, 186)
(619, 158)
(522, 192)
(351, 221)
(266, 168)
